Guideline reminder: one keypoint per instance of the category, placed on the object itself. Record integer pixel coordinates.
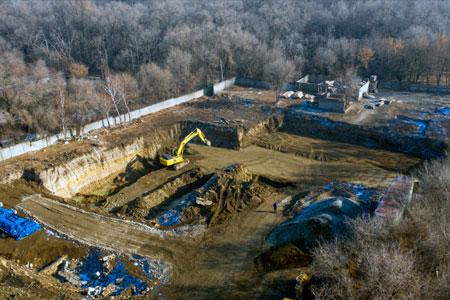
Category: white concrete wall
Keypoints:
(363, 89)
(26, 147)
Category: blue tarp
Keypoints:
(361, 192)
(420, 124)
(15, 226)
(443, 111)
(171, 217)
(93, 274)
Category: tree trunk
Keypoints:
(107, 120)
(221, 70)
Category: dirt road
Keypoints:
(100, 231)
(219, 265)
(223, 265)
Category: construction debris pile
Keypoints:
(107, 275)
(225, 194)
(194, 197)
(151, 203)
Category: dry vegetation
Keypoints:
(385, 260)
(66, 63)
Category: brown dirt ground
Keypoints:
(306, 171)
(223, 257)
(218, 264)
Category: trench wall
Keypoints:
(383, 137)
(69, 178)
(416, 87)
(223, 136)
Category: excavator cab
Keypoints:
(175, 158)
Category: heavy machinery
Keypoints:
(176, 159)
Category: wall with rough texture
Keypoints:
(69, 178)
(391, 136)
(416, 87)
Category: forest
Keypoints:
(65, 63)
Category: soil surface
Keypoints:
(222, 258)
(207, 262)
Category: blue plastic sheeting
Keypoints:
(305, 106)
(15, 226)
(443, 111)
(361, 192)
(93, 274)
(153, 269)
(327, 123)
(421, 124)
(171, 217)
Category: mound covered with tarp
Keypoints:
(320, 215)
(321, 220)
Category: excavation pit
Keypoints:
(207, 217)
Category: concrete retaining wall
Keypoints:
(26, 147)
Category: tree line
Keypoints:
(64, 63)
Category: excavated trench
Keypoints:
(105, 179)
(126, 182)
(227, 190)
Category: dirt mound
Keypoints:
(143, 207)
(226, 194)
(286, 256)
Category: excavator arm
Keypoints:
(197, 132)
(176, 159)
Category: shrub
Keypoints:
(386, 260)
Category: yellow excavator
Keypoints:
(176, 159)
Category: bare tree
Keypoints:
(278, 71)
(179, 64)
(112, 89)
(61, 112)
(127, 89)
(154, 82)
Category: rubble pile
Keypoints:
(230, 192)
(107, 275)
